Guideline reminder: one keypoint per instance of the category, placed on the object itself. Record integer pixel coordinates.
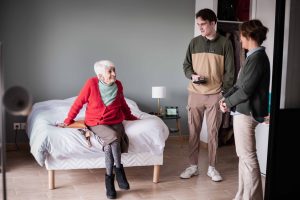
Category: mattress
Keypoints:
(49, 143)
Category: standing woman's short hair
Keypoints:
(254, 29)
(101, 65)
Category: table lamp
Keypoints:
(158, 92)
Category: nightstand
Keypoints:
(177, 129)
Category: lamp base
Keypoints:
(156, 114)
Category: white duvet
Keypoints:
(145, 135)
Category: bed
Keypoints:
(66, 148)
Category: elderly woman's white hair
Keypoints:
(101, 65)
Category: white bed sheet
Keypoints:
(146, 135)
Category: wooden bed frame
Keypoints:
(128, 160)
(51, 176)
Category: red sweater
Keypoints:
(96, 112)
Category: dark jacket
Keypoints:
(251, 91)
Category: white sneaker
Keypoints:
(189, 172)
(214, 174)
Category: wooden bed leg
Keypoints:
(51, 179)
(156, 172)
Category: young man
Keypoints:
(209, 65)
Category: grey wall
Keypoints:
(292, 91)
(50, 46)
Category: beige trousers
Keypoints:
(197, 105)
(250, 186)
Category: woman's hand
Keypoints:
(61, 125)
(223, 106)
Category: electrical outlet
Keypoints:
(17, 126)
(23, 125)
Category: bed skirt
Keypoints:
(128, 160)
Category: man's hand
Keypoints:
(198, 79)
(195, 77)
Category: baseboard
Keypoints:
(19, 146)
(185, 139)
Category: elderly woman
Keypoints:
(105, 111)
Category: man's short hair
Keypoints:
(207, 14)
(101, 65)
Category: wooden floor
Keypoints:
(26, 180)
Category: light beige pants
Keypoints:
(250, 186)
(197, 105)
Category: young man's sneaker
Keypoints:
(189, 172)
(214, 174)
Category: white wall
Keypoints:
(262, 137)
(285, 53)
(265, 11)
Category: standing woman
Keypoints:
(248, 102)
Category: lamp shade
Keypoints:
(159, 92)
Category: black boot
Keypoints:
(110, 186)
(121, 178)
